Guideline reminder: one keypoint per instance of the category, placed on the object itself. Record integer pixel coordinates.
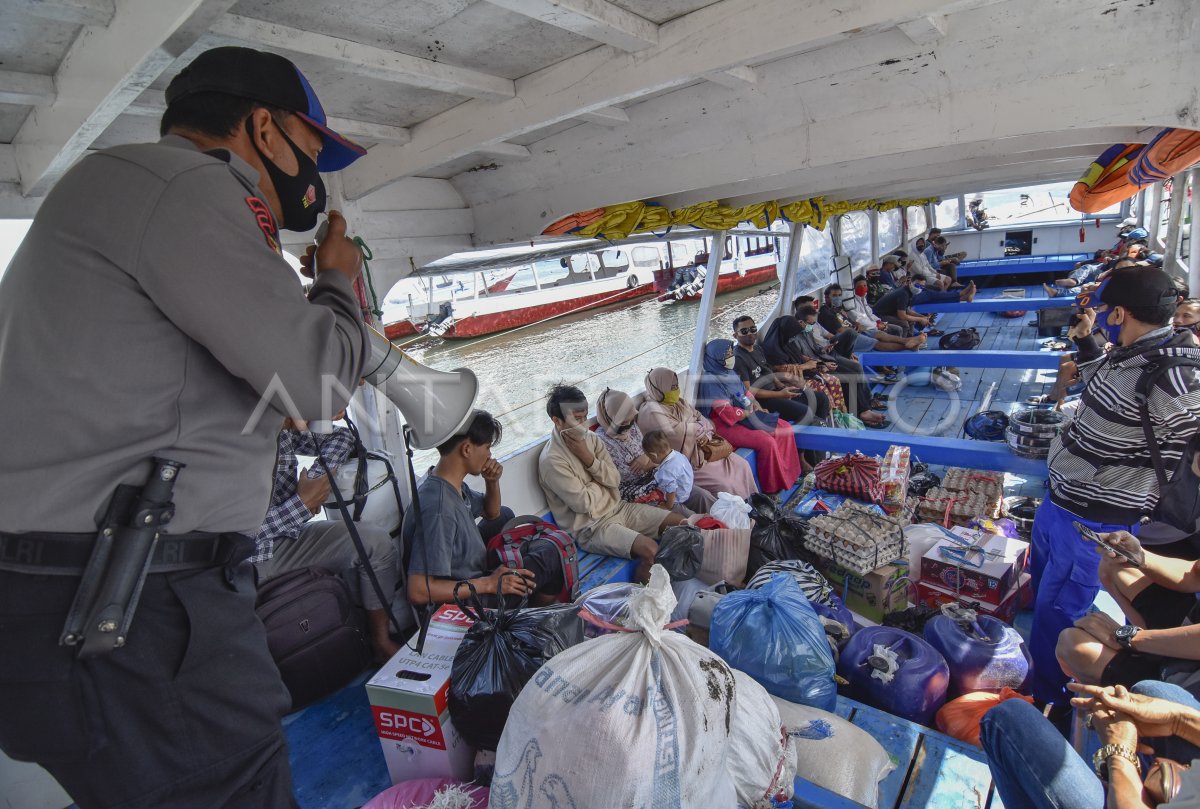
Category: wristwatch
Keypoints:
(1100, 758)
(1124, 636)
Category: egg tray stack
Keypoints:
(856, 537)
(975, 481)
(948, 508)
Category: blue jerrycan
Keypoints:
(984, 653)
(895, 671)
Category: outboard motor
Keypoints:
(984, 653)
(895, 671)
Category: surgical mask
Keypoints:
(671, 398)
(808, 327)
(577, 429)
(835, 298)
(918, 288)
(730, 362)
(860, 291)
(1111, 331)
(301, 197)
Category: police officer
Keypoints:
(149, 312)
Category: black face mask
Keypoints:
(302, 196)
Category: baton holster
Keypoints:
(112, 581)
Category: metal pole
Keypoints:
(873, 216)
(707, 300)
(787, 279)
(1178, 200)
(1141, 217)
(1193, 253)
(1155, 219)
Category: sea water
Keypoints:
(610, 348)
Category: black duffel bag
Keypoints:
(315, 633)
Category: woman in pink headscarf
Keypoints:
(718, 468)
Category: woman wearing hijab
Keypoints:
(618, 430)
(718, 467)
(741, 421)
(791, 341)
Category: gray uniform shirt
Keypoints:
(147, 313)
(451, 547)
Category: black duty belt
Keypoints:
(58, 554)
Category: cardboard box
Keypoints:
(869, 595)
(409, 700)
(932, 595)
(990, 582)
(449, 623)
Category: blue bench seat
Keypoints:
(997, 305)
(1020, 265)
(978, 358)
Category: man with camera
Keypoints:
(152, 340)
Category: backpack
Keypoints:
(1178, 494)
(960, 340)
(526, 538)
(316, 635)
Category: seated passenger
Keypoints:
(833, 319)
(784, 394)
(1187, 316)
(799, 335)
(857, 307)
(1084, 272)
(675, 478)
(289, 539)
(616, 416)
(581, 487)
(718, 468)
(452, 547)
(744, 423)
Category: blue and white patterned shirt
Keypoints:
(287, 513)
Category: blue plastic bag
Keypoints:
(774, 635)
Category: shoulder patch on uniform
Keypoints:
(265, 221)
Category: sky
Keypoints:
(12, 231)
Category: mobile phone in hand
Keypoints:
(1092, 536)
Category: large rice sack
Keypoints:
(835, 754)
(639, 718)
(762, 763)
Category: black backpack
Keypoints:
(1178, 493)
(315, 633)
(960, 340)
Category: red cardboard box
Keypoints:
(932, 595)
(998, 567)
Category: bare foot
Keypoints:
(1051, 292)
(871, 417)
(968, 294)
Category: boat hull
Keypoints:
(478, 325)
(400, 329)
(732, 281)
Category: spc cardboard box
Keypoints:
(869, 595)
(988, 583)
(409, 700)
(932, 595)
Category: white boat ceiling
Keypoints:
(489, 119)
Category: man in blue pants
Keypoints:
(1101, 473)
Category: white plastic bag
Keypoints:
(639, 719)
(835, 754)
(762, 762)
(731, 510)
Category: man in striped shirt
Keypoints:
(1100, 468)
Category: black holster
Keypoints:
(112, 581)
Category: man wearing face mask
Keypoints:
(582, 488)
(1187, 317)
(183, 320)
(1101, 472)
(782, 394)
(834, 319)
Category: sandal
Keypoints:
(882, 425)
(935, 332)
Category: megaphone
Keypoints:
(435, 404)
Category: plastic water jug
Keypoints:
(984, 653)
(895, 671)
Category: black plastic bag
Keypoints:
(681, 552)
(500, 653)
(776, 535)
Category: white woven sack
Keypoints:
(835, 754)
(762, 762)
(731, 510)
(633, 719)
